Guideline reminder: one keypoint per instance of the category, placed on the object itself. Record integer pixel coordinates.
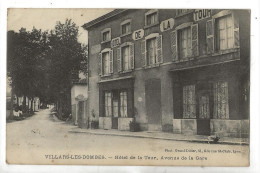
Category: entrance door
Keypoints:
(115, 111)
(153, 103)
(203, 122)
(80, 111)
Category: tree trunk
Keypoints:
(24, 101)
(32, 104)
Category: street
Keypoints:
(43, 139)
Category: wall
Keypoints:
(168, 95)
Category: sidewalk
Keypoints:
(161, 135)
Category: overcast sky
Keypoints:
(46, 18)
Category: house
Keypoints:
(79, 95)
(176, 70)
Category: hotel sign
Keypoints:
(138, 34)
(167, 24)
(115, 42)
(201, 14)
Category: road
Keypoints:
(43, 139)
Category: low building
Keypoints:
(79, 95)
(177, 70)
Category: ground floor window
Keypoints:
(221, 107)
(214, 93)
(189, 101)
(108, 107)
(123, 104)
(116, 103)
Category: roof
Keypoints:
(102, 18)
(81, 81)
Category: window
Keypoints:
(221, 107)
(151, 49)
(185, 43)
(151, 17)
(123, 104)
(106, 35)
(182, 11)
(106, 62)
(125, 57)
(108, 106)
(126, 28)
(222, 32)
(225, 33)
(115, 103)
(189, 101)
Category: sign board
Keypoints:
(115, 42)
(167, 24)
(201, 14)
(138, 34)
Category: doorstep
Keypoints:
(161, 135)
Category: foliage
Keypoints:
(45, 63)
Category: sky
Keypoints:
(46, 18)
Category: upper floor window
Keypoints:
(106, 62)
(106, 35)
(182, 11)
(222, 32)
(125, 57)
(151, 17)
(184, 42)
(126, 27)
(151, 49)
(225, 36)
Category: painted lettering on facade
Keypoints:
(115, 42)
(138, 34)
(167, 24)
(201, 14)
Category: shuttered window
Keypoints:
(222, 33)
(184, 43)
(189, 101)
(152, 51)
(221, 106)
(225, 33)
(125, 57)
(106, 63)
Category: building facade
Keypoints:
(176, 70)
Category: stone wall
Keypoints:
(123, 123)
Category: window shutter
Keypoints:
(111, 61)
(132, 57)
(143, 50)
(194, 40)
(159, 49)
(119, 60)
(236, 31)
(210, 36)
(174, 45)
(100, 64)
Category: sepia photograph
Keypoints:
(128, 86)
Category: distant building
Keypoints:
(181, 70)
(79, 96)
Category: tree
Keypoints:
(44, 64)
